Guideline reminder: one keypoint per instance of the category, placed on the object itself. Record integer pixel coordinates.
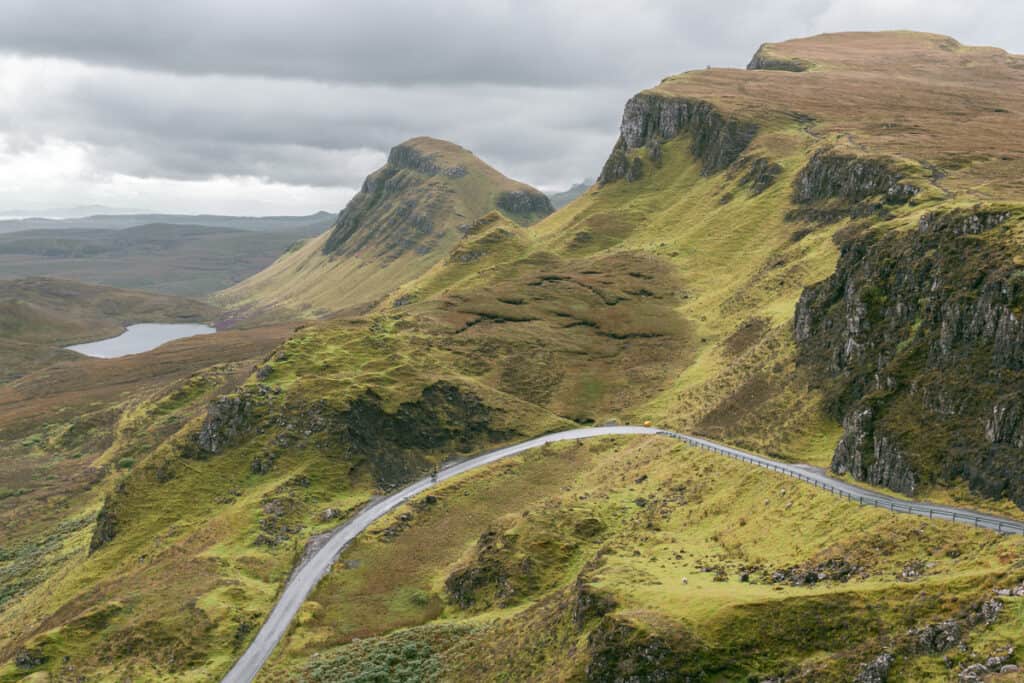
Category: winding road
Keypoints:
(305, 579)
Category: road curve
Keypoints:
(305, 579)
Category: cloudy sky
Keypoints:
(256, 107)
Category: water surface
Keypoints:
(140, 338)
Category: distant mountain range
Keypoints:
(170, 258)
(118, 221)
(560, 199)
(69, 211)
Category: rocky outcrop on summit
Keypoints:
(921, 335)
(764, 60)
(407, 205)
(408, 156)
(649, 119)
(394, 210)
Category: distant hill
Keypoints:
(68, 211)
(560, 199)
(408, 215)
(181, 259)
(120, 221)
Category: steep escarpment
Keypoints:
(407, 204)
(921, 335)
(766, 60)
(833, 185)
(650, 119)
(406, 217)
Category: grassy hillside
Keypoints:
(184, 260)
(408, 215)
(733, 200)
(40, 316)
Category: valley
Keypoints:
(816, 259)
(136, 252)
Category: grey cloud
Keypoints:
(313, 92)
(529, 42)
(303, 132)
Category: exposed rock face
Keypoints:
(523, 203)
(445, 416)
(29, 659)
(407, 156)
(922, 337)
(834, 186)
(394, 445)
(871, 457)
(764, 60)
(833, 569)
(589, 603)
(106, 526)
(226, 418)
(877, 670)
(491, 572)
(942, 636)
(407, 204)
(620, 652)
(938, 637)
(761, 175)
(649, 119)
(393, 210)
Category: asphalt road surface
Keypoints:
(305, 579)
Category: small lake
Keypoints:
(140, 338)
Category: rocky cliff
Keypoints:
(408, 204)
(766, 60)
(921, 336)
(649, 119)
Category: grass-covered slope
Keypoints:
(407, 215)
(667, 293)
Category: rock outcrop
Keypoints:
(877, 670)
(106, 526)
(764, 60)
(835, 185)
(620, 651)
(410, 202)
(649, 119)
(921, 335)
(226, 418)
(524, 204)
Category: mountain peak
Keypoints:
(409, 214)
(432, 156)
(427, 187)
